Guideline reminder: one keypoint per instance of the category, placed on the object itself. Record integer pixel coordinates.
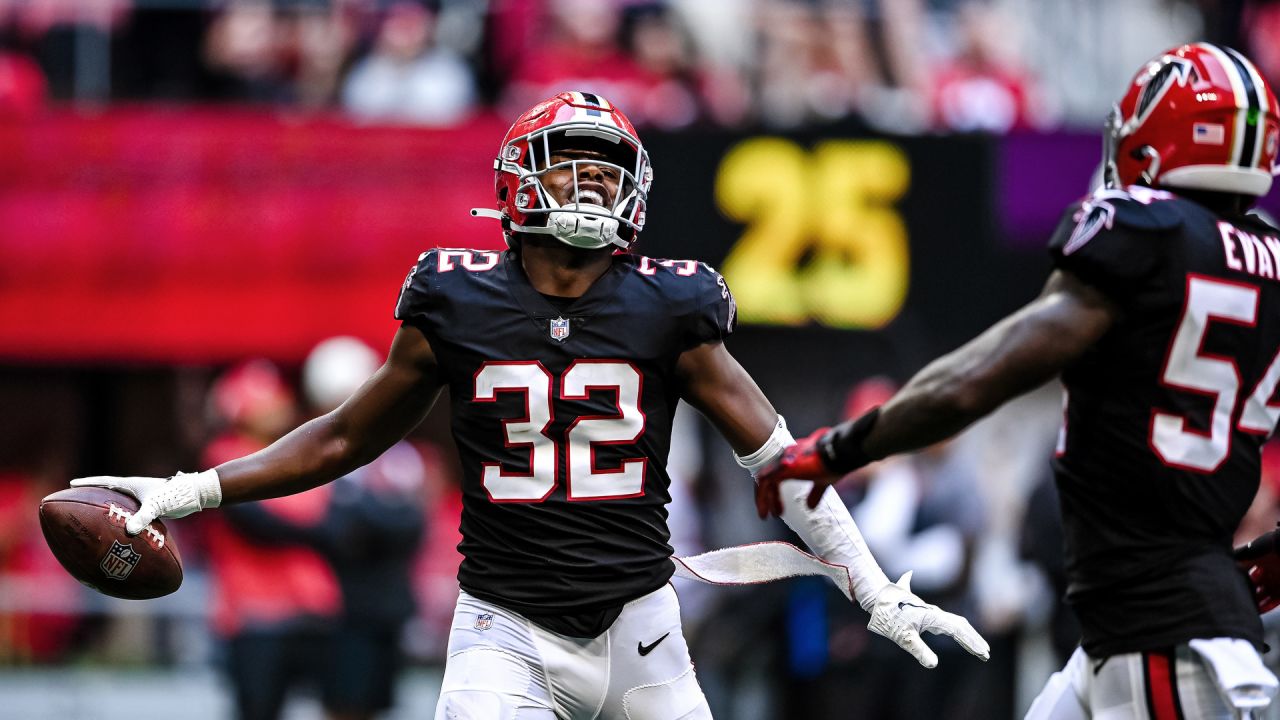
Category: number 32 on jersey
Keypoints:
(1189, 368)
(584, 481)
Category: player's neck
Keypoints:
(563, 271)
(1219, 203)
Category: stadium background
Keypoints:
(188, 186)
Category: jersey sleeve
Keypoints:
(417, 299)
(716, 313)
(1113, 241)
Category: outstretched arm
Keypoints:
(721, 389)
(379, 414)
(1017, 354)
(382, 411)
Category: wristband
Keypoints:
(841, 447)
(207, 487)
(772, 449)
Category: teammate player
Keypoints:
(565, 360)
(1163, 317)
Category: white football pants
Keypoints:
(501, 666)
(1219, 679)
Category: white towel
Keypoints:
(760, 563)
(1237, 668)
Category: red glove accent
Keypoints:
(798, 461)
(1260, 560)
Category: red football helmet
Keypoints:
(571, 120)
(1200, 117)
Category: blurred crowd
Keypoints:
(902, 66)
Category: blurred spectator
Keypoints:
(663, 50)
(800, 78)
(435, 569)
(39, 601)
(370, 534)
(823, 62)
(722, 48)
(408, 77)
(580, 50)
(323, 38)
(71, 41)
(22, 86)
(982, 88)
(922, 512)
(1082, 52)
(274, 604)
(243, 51)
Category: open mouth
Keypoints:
(584, 196)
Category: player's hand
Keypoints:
(900, 615)
(799, 461)
(1260, 559)
(172, 497)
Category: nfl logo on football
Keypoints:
(559, 329)
(484, 621)
(119, 561)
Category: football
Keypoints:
(84, 528)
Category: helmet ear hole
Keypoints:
(502, 194)
(1152, 170)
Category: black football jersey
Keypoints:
(1165, 417)
(562, 414)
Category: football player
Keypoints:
(1163, 318)
(565, 357)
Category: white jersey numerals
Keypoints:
(584, 481)
(534, 381)
(1259, 416)
(1188, 368)
(473, 260)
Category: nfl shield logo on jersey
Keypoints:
(484, 621)
(119, 561)
(559, 329)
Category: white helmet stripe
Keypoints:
(1261, 103)
(1242, 101)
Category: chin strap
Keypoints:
(573, 228)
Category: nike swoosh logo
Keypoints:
(646, 649)
(907, 604)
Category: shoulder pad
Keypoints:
(1137, 208)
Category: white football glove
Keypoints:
(172, 497)
(900, 615)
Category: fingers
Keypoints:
(124, 485)
(141, 519)
(106, 481)
(959, 629)
(764, 505)
(815, 495)
(769, 494)
(914, 644)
